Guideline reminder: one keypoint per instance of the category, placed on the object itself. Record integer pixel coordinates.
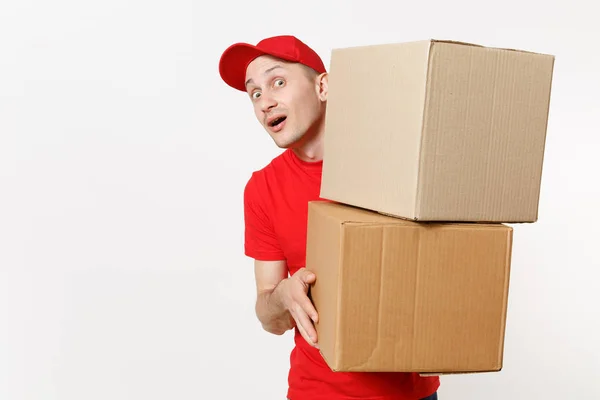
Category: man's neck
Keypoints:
(312, 150)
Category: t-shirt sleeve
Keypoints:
(260, 241)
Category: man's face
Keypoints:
(288, 100)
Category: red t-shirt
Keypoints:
(276, 211)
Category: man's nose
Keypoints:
(268, 102)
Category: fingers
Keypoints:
(301, 307)
(305, 326)
(301, 297)
(307, 337)
(308, 307)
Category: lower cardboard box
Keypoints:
(404, 296)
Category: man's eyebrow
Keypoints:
(264, 73)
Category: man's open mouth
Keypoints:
(277, 121)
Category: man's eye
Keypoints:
(255, 95)
(279, 82)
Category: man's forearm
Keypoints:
(272, 314)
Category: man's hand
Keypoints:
(293, 295)
(282, 303)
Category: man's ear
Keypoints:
(322, 86)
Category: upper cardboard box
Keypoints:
(437, 130)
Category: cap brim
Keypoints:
(234, 61)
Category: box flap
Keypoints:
(349, 215)
(433, 41)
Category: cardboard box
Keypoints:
(437, 131)
(398, 295)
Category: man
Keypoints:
(286, 83)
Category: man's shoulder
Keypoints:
(261, 178)
(272, 167)
(276, 163)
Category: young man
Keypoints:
(286, 83)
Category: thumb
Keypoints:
(308, 277)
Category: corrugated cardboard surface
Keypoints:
(396, 295)
(437, 131)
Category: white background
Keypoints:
(123, 158)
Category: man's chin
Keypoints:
(287, 142)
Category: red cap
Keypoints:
(235, 58)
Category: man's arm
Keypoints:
(269, 309)
(282, 303)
